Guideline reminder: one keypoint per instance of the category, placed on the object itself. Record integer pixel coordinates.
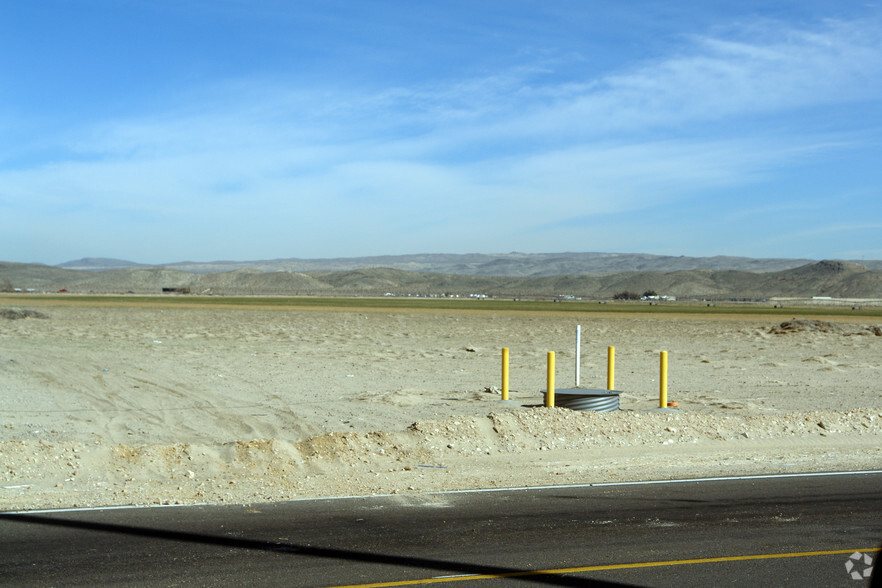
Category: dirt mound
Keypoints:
(804, 325)
(816, 326)
(18, 313)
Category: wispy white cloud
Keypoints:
(450, 156)
(769, 71)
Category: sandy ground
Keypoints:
(118, 406)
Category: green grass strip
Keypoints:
(393, 304)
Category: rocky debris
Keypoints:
(817, 326)
(19, 313)
(805, 325)
(437, 455)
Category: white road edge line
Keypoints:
(677, 481)
(475, 491)
(94, 508)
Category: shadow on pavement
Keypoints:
(530, 576)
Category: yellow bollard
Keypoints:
(663, 380)
(549, 391)
(611, 368)
(505, 373)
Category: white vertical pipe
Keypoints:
(578, 353)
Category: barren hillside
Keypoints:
(825, 278)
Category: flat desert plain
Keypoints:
(121, 403)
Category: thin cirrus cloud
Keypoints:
(453, 151)
(719, 78)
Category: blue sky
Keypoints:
(161, 131)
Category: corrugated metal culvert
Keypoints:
(587, 399)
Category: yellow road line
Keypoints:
(648, 564)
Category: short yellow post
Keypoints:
(549, 391)
(663, 380)
(505, 373)
(611, 368)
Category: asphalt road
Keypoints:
(790, 531)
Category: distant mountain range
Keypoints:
(586, 275)
(477, 264)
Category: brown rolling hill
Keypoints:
(838, 279)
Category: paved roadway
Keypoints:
(778, 531)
